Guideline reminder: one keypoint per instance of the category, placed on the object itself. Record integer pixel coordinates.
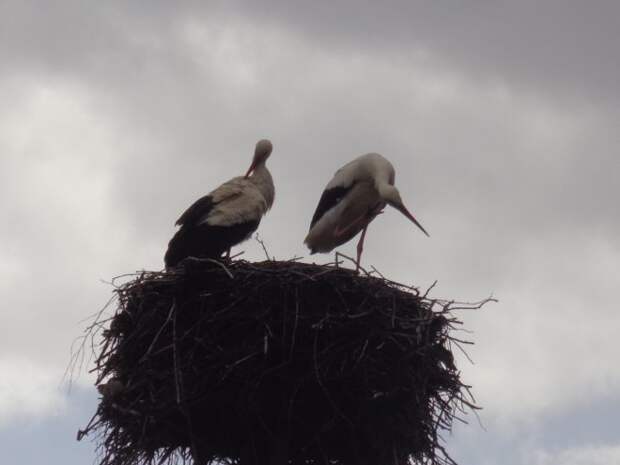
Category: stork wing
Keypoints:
(245, 206)
(199, 209)
(331, 197)
(202, 207)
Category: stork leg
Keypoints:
(360, 249)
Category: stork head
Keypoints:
(391, 196)
(261, 153)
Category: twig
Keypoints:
(148, 351)
(429, 289)
(377, 271)
(262, 243)
(178, 383)
(211, 260)
(352, 260)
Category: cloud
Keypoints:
(27, 390)
(51, 439)
(57, 242)
(559, 47)
(478, 175)
(118, 117)
(588, 455)
(543, 346)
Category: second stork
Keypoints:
(357, 193)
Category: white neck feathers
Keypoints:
(261, 178)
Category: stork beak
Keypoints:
(250, 169)
(401, 208)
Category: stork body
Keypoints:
(357, 193)
(227, 215)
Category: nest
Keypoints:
(275, 363)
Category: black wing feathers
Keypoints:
(206, 241)
(329, 199)
(197, 211)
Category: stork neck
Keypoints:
(261, 177)
(382, 172)
(387, 192)
(383, 188)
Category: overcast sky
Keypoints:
(501, 117)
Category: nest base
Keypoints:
(275, 363)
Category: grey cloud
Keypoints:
(55, 436)
(590, 426)
(559, 45)
(499, 118)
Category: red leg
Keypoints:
(360, 248)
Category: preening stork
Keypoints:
(358, 192)
(227, 215)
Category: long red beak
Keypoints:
(250, 169)
(408, 214)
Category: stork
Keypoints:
(227, 215)
(358, 192)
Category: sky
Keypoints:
(500, 117)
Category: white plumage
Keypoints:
(357, 193)
(227, 215)
(241, 199)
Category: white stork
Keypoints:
(227, 215)
(357, 193)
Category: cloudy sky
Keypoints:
(501, 117)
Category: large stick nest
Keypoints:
(244, 362)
